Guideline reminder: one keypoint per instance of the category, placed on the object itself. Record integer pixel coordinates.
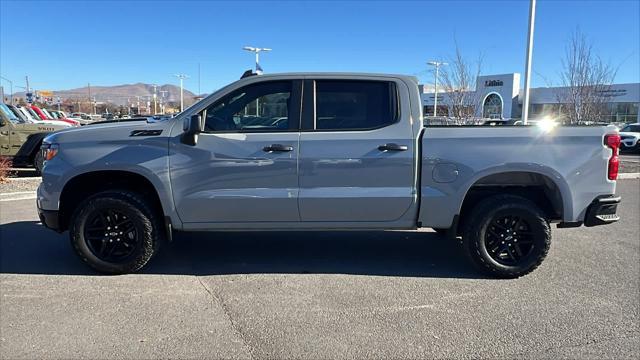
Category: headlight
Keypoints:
(49, 151)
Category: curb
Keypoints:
(25, 178)
(20, 195)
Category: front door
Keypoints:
(356, 152)
(244, 167)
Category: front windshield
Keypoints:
(33, 113)
(26, 113)
(46, 113)
(9, 114)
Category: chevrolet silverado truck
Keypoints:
(324, 152)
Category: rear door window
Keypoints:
(354, 105)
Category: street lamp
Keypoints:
(10, 87)
(437, 65)
(527, 70)
(181, 77)
(155, 99)
(257, 51)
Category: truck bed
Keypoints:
(456, 158)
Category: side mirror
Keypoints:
(2, 122)
(192, 127)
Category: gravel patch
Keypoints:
(629, 166)
(19, 185)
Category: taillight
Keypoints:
(612, 141)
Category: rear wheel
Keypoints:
(115, 232)
(506, 236)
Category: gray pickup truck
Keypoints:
(324, 152)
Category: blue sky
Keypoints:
(63, 45)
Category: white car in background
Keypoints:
(30, 116)
(630, 137)
(82, 118)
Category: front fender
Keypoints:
(147, 158)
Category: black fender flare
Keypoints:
(30, 147)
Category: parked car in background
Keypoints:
(26, 117)
(33, 117)
(80, 115)
(45, 115)
(630, 137)
(324, 152)
(22, 114)
(82, 118)
(61, 115)
(20, 140)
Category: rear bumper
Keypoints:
(602, 211)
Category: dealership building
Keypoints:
(500, 97)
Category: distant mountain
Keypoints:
(120, 94)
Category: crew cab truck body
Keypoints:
(317, 151)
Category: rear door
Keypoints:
(356, 151)
(244, 167)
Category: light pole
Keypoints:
(163, 93)
(437, 65)
(10, 87)
(181, 77)
(527, 70)
(257, 51)
(155, 99)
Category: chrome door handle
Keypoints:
(393, 147)
(277, 148)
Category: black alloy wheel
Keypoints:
(509, 240)
(506, 236)
(111, 235)
(116, 231)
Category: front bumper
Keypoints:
(49, 218)
(602, 211)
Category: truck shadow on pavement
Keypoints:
(28, 248)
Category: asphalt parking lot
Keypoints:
(321, 295)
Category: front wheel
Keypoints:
(115, 232)
(507, 236)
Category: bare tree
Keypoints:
(586, 81)
(459, 83)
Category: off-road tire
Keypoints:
(145, 220)
(38, 162)
(477, 226)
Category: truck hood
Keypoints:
(111, 132)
